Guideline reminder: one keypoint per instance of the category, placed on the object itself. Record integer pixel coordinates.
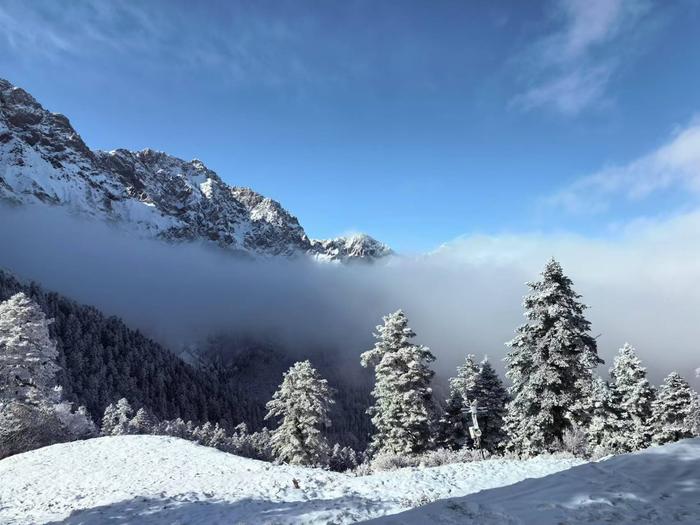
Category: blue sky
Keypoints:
(416, 122)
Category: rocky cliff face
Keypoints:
(43, 161)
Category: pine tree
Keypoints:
(695, 415)
(143, 422)
(673, 411)
(550, 366)
(403, 413)
(632, 396)
(608, 432)
(27, 354)
(117, 419)
(491, 397)
(454, 425)
(302, 402)
(465, 380)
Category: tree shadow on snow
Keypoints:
(186, 510)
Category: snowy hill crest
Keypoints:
(43, 160)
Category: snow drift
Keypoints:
(153, 479)
(658, 485)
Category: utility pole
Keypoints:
(474, 430)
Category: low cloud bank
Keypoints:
(643, 286)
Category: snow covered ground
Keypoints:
(660, 485)
(152, 479)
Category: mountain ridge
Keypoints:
(44, 161)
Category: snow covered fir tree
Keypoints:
(455, 421)
(302, 403)
(674, 411)
(632, 398)
(404, 413)
(609, 428)
(478, 384)
(491, 398)
(32, 412)
(550, 365)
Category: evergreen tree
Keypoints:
(695, 415)
(27, 354)
(32, 413)
(143, 422)
(302, 402)
(491, 397)
(632, 396)
(465, 380)
(454, 425)
(117, 418)
(673, 411)
(550, 366)
(403, 412)
(608, 432)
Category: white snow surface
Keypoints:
(659, 485)
(154, 479)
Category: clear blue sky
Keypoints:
(416, 122)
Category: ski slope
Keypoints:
(159, 480)
(659, 485)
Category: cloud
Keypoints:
(246, 44)
(569, 69)
(463, 298)
(570, 93)
(674, 165)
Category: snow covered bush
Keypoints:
(342, 459)
(403, 413)
(391, 461)
(25, 426)
(441, 456)
(574, 440)
(302, 403)
(77, 423)
(431, 458)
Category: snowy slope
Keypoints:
(151, 479)
(660, 485)
(44, 162)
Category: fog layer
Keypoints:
(642, 283)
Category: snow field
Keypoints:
(155, 479)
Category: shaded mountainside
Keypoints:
(103, 360)
(43, 160)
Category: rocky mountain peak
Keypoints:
(44, 161)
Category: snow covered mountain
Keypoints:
(44, 161)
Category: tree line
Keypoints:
(555, 401)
